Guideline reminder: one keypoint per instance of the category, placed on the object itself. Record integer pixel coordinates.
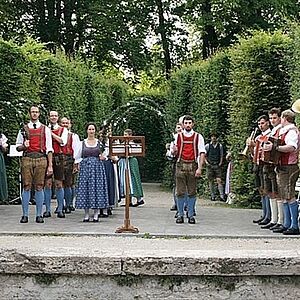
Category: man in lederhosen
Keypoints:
(59, 140)
(69, 152)
(190, 152)
(36, 143)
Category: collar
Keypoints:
(38, 124)
(188, 133)
(54, 126)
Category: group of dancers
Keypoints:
(275, 153)
(53, 155)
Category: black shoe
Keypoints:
(268, 226)
(46, 214)
(39, 219)
(24, 219)
(102, 214)
(56, 210)
(179, 220)
(264, 222)
(192, 220)
(61, 215)
(291, 231)
(95, 220)
(176, 215)
(67, 210)
(259, 220)
(138, 203)
(280, 229)
(85, 220)
(173, 208)
(72, 208)
(109, 211)
(275, 226)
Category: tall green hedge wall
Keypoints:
(227, 93)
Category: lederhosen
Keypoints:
(34, 160)
(186, 166)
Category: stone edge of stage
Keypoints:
(60, 259)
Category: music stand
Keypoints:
(127, 146)
(14, 153)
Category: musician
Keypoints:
(288, 172)
(270, 176)
(35, 141)
(69, 153)
(214, 161)
(256, 149)
(59, 140)
(190, 152)
(3, 179)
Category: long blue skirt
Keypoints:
(92, 189)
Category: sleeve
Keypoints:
(76, 145)
(221, 150)
(78, 154)
(291, 138)
(201, 146)
(48, 135)
(20, 139)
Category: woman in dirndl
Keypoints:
(3, 179)
(92, 191)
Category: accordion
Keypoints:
(273, 156)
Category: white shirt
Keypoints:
(3, 140)
(291, 137)
(20, 138)
(78, 155)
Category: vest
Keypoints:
(37, 139)
(67, 149)
(214, 154)
(290, 158)
(188, 147)
(57, 148)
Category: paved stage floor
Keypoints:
(153, 218)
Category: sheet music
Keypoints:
(13, 151)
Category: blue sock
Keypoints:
(263, 203)
(68, 196)
(268, 207)
(47, 200)
(286, 215)
(180, 206)
(294, 214)
(60, 199)
(191, 206)
(25, 202)
(39, 199)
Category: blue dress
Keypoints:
(92, 189)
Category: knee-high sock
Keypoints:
(212, 188)
(280, 212)
(180, 205)
(60, 199)
(191, 201)
(47, 199)
(221, 190)
(73, 194)
(39, 199)
(293, 206)
(274, 211)
(25, 202)
(268, 208)
(86, 213)
(96, 213)
(263, 204)
(68, 196)
(286, 215)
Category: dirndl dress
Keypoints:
(92, 189)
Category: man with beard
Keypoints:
(36, 143)
(189, 150)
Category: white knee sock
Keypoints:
(274, 211)
(280, 212)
